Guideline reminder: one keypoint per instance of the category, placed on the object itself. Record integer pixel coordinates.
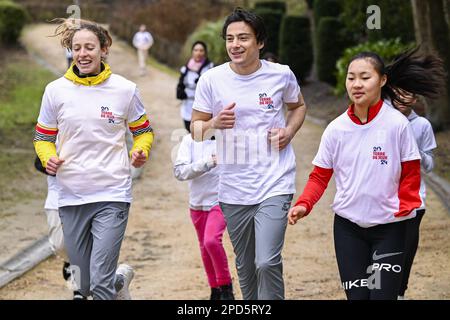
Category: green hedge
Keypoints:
(310, 4)
(326, 8)
(12, 19)
(272, 21)
(271, 5)
(296, 45)
(396, 20)
(331, 42)
(387, 50)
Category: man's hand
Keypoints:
(296, 213)
(225, 119)
(138, 158)
(279, 138)
(53, 165)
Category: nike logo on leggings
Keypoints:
(381, 256)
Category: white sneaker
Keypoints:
(124, 275)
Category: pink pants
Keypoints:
(210, 226)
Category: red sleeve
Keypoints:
(408, 190)
(315, 187)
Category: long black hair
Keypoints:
(411, 71)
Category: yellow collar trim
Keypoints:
(88, 81)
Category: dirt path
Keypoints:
(160, 240)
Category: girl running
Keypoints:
(196, 162)
(371, 150)
(55, 232)
(88, 109)
(424, 136)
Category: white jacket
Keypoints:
(194, 163)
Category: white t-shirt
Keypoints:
(143, 40)
(423, 133)
(194, 163)
(51, 202)
(250, 171)
(366, 160)
(91, 122)
(190, 85)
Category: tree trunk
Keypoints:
(310, 15)
(432, 33)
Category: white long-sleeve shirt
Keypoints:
(194, 163)
(51, 202)
(143, 40)
(423, 133)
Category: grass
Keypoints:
(20, 96)
(162, 67)
(22, 83)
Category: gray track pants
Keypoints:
(257, 234)
(93, 235)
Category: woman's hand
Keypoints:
(138, 158)
(53, 165)
(296, 213)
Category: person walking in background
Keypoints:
(255, 108)
(196, 162)
(55, 232)
(88, 111)
(69, 57)
(271, 57)
(189, 75)
(424, 136)
(372, 152)
(142, 41)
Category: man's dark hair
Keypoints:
(253, 20)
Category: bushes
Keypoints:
(326, 8)
(12, 19)
(331, 43)
(396, 20)
(296, 45)
(310, 3)
(272, 20)
(271, 5)
(387, 50)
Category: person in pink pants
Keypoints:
(196, 162)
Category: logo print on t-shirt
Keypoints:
(107, 114)
(379, 154)
(265, 101)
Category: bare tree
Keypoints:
(432, 30)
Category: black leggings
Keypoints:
(370, 260)
(412, 242)
(187, 125)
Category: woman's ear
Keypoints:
(104, 53)
(383, 80)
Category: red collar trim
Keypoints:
(372, 112)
